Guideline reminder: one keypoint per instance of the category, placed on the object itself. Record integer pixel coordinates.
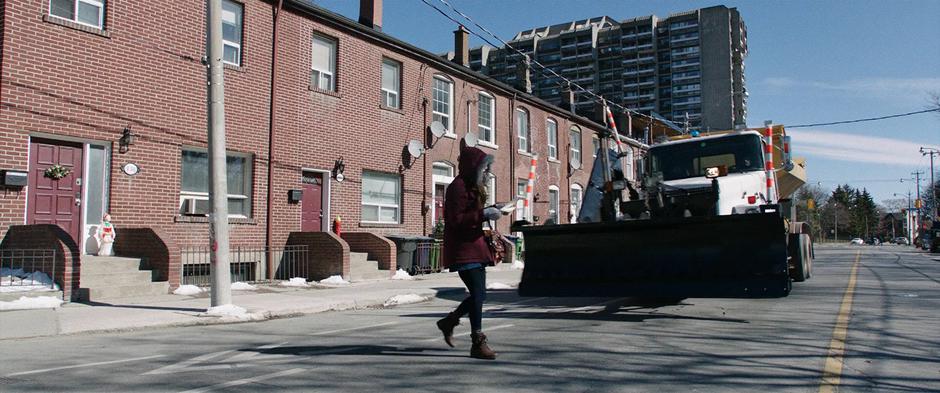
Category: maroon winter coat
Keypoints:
(463, 215)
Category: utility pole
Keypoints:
(935, 213)
(221, 293)
(917, 202)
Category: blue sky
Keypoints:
(808, 62)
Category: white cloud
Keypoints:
(856, 148)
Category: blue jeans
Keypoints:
(475, 280)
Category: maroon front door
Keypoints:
(439, 191)
(51, 200)
(312, 203)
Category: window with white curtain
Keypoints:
(551, 128)
(486, 117)
(381, 198)
(522, 129)
(194, 183)
(391, 83)
(443, 102)
(323, 64)
(575, 146)
(232, 17)
(85, 12)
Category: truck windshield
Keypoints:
(739, 153)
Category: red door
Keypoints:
(312, 203)
(51, 200)
(439, 191)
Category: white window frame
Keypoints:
(393, 96)
(575, 208)
(490, 189)
(551, 129)
(204, 196)
(574, 154)
(381, 206)
(523, 133)
(595, 144)
(334, 44)
(554, 203)
(94, 3)
(449, 127)
(487, 128)
(236, 45)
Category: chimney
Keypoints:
(567, 99)
(370, 14)
(462, 46)
(523, 75)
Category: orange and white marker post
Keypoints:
(769, 161)
(530, 185)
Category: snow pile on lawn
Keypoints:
(498, 285)
(334, 280)
(231, 312)
(243, 286)
(295, 282)
(188, 290)
(402, 275)
(16, 280)
(26, 303)
(518, 265)
(404, 299)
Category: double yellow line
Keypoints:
(832, 373)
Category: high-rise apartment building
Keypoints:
(688, 68)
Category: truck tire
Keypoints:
(799, 257)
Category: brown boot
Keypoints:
(480, 350)
(447, 327)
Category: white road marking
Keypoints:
(256, 355)
(184, 365)
(513, 304)
(489, 329)
(246, 381)
(354, 328)
(85, 365)
(585, 308)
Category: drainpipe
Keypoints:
(424, 163)
(271, 124)
(512, 149)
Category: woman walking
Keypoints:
(465, 247)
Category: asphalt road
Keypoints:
(884, 335)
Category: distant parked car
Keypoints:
(857, 241)
(902, 240)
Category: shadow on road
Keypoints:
(320, 350)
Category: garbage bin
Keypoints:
(406, 245)
(517, 245)
(427, 255)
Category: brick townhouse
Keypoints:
(115, 93)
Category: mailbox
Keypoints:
(294, 196)
(13, 178)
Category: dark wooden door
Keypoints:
(312, 203)
(439, 191)
(56, 201)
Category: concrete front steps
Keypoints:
(362, 269)
(108, 278)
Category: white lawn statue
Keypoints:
(106, 236)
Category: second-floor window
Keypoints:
(551, 129)
(391, 83)
(323, 66)
(86, 12)
(575, 146)
(486, 117)
(522, 130)
(443, 105)
(231, 32)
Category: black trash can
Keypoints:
(427, 255)
(406, 245)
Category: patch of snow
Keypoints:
(402, 275)
(295, 282)
(518, 265)
(228, 310)
(498, 285)
(188, 290)
(27, 303)
(243, 286)
(334, 280)
(16, 280)
(404, 299)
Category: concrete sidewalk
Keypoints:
(269, 301)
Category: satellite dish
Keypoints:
(574, 164)
(415, 148)
(437, 129)
(471, 139)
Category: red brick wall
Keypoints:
(50, 237)
(157, 248)
(147, 75)
(328, 255)
(379, 248)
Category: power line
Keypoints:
(542, 68)
(867, 119)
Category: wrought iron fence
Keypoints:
(28, 269)
(427, 257)
(247, 263)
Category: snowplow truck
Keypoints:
(707, 216)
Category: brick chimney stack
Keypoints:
(462, 46)
(370, 14)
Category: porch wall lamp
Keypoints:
(338, 168)
(126, 140)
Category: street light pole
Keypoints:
(221, 293)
